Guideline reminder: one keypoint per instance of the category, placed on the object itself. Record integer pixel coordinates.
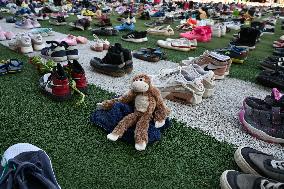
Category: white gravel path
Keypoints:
(216, 116)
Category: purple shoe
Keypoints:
(264, 119)
(25, 24)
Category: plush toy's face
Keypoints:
(141, 83)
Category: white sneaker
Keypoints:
(25, 44)
(37, 42)
(216, 31)
(177, 85)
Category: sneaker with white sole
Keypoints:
(177, 85)
(56, 51)
(37, 42)
(258, 163)
(232, 179)
(136, 37)
(25, 44)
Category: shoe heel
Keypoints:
(38, 47)
(208, 92)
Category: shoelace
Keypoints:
(277, 164)
(266, 184)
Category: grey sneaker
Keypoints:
(258, 163)
(231, 179)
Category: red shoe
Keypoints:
(78, 74)
(198, 33)
(56, 84)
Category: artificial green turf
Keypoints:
(246, 71)
(82, 156)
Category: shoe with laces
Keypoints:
(24, 24)
(161, 30)
(56, 84)
(215, 62)
(200, 33)
(181, 44)
(56, 51)
(37, 42)
(25, 44)
(231, 179)
(255, 162)
(26, 166)
(180, 86)
(125, 27)
(78, 75)
(136, 37)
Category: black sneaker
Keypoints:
(25, 166)
(271, 79)
(268, 30)
(81, 24)
(273, 63)
(231, 179)
(56, 51)
(72, 52)
(136, 37)
(258, 163)
(105, 31)
(58, 21)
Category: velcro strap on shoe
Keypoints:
(276, 117)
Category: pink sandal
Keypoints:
(82, 40)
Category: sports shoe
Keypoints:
(125, 27)
(58, 21)
(264, 122)
(181, 44)
(255, 162)
(26, 166)
(99, 44)
(81, 24)
(271, 79)
(56, 84)
(24, 24)
(3, 68)
(78, 75)
(179, 86)
(273, 64)
(161, 30)
(37, 42)
(56, 51)
(14, 66)
(212, 61)
(247, 38)
(216, 31)
(24, 44)
(231, 179)
(149, 54)
(136, 37)
(200, 33)
(105, 31)
(237, 55)
(42, 31)
(72, 52)
(35, 23)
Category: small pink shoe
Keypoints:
(81, 39)
(2, 36)
(70, 40)
(9, 35)
(197, 33)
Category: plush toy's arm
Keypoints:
(162, 111)
(126, 98)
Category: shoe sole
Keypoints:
(174, 48)
(242, 163)
(135, 40)
(141, 57)
(26, 50)
(247, 47)
(238, 61)
(72, 57)
(257, 133)
(56, 98)
(114, 74)
(224, 184)
(37, 47)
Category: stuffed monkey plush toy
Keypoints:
(148, 104)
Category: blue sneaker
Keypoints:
(158, 14)
(125, 26)
(3, 68)
(25, 166)
(14, 66)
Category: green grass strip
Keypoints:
(82, 156)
